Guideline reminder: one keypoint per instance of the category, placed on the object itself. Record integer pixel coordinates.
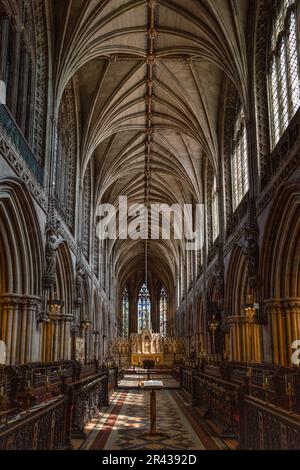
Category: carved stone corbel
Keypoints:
(53, 241)
(251, 249)
(219, 271)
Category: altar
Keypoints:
(137, 359)
(146, 345)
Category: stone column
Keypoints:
(14, 333)
(18, 328)
(284, 321)
(291, 308)
(68, 339)
(272, 308)
(29, 332)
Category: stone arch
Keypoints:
(65, 277)
(280, 268)
(280, 258)
(56, 334)
(245, 337)
(236, 283)
(21, 260)
(262, 19)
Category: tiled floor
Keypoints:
(126, 421)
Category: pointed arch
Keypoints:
(21, 265)
(144, 308)
(163, 311)
(56, 335)
(280, 268)
(245, 337)
(21, 241)
(280, 256)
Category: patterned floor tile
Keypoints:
(125, 424)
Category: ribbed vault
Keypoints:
(148, 76)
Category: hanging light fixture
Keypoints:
(146, 263)
(146, 312)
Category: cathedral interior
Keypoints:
(166, 104)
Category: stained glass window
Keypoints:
(239, 161)
(125, 313)
(163, 307)
(144, 309)
(284, 74)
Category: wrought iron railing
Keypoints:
(266, 427)
(9, 126)
(41, 428)
(44, 405)
(256, 411)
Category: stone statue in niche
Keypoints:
(147, 345)
(219, 275)
(251, 248)
(51, 249)
(133, 344)
(146, 342)
(252, 252)
(79, 286)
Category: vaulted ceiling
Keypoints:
(149, 79)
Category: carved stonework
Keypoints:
(74, 327)
(66, 157)
(79, 284)
(283, 162)
(41, 78)
(53, 241)
(232, 102)
(15, 160)
(86, 213)
(146, 342)
(210, 177)
(219, 270)
(53, 224)
(96, 254)
(50, 272)
(263, 130)
(251, 249)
